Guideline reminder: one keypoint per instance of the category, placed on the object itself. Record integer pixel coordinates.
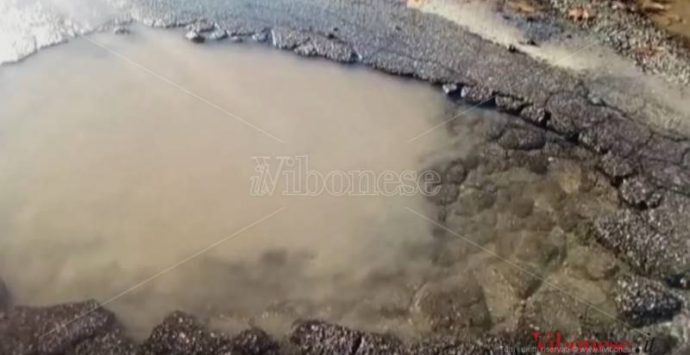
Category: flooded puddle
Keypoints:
(126, 172)
(153, 175)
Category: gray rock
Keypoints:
(617, 135)
(661, 344)
(472, 202)
(445, 194)
(534, 114)
(522, 139)
(329, 48)
(450, 89)
(194, 36)
(668, 175)
(452, 306)
(670, 219)
(320, 338)
(552, 309)
(664, 149)
(572, 114)
(642, 302)
(285, 38)
(494, 129)
(633, 239)
(183, 334)
(311, 44)
(218, 35)
(509, 104)
(314, 337)
(537, 163)
(616, 167)
(476, 94)
(521, 207)
(455, 172)
(110, 343)
(201, 26)
(378, 344)
(53, 329)
(525, 280)
(639, 192)
(260, 36)
(252, 341)
(600, 266)
(120, 30)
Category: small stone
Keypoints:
(450, 88)
(531, 42)
(663, 344)
(509, 104)
(201, 26)
(600, 266)
(260, 37)
(522, 139)
(568, 173)
(616, 167)
(534, 114)
(595, 100)
(183, 334)
(452, 305)
(218, 35)
(476, 94)
(120, 30)
(493, 129)
(194, 36)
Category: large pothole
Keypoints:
(510, 245)
(118, 166)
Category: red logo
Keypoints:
(553, 342)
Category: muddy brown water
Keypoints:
(127, 168)
(118, 164)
